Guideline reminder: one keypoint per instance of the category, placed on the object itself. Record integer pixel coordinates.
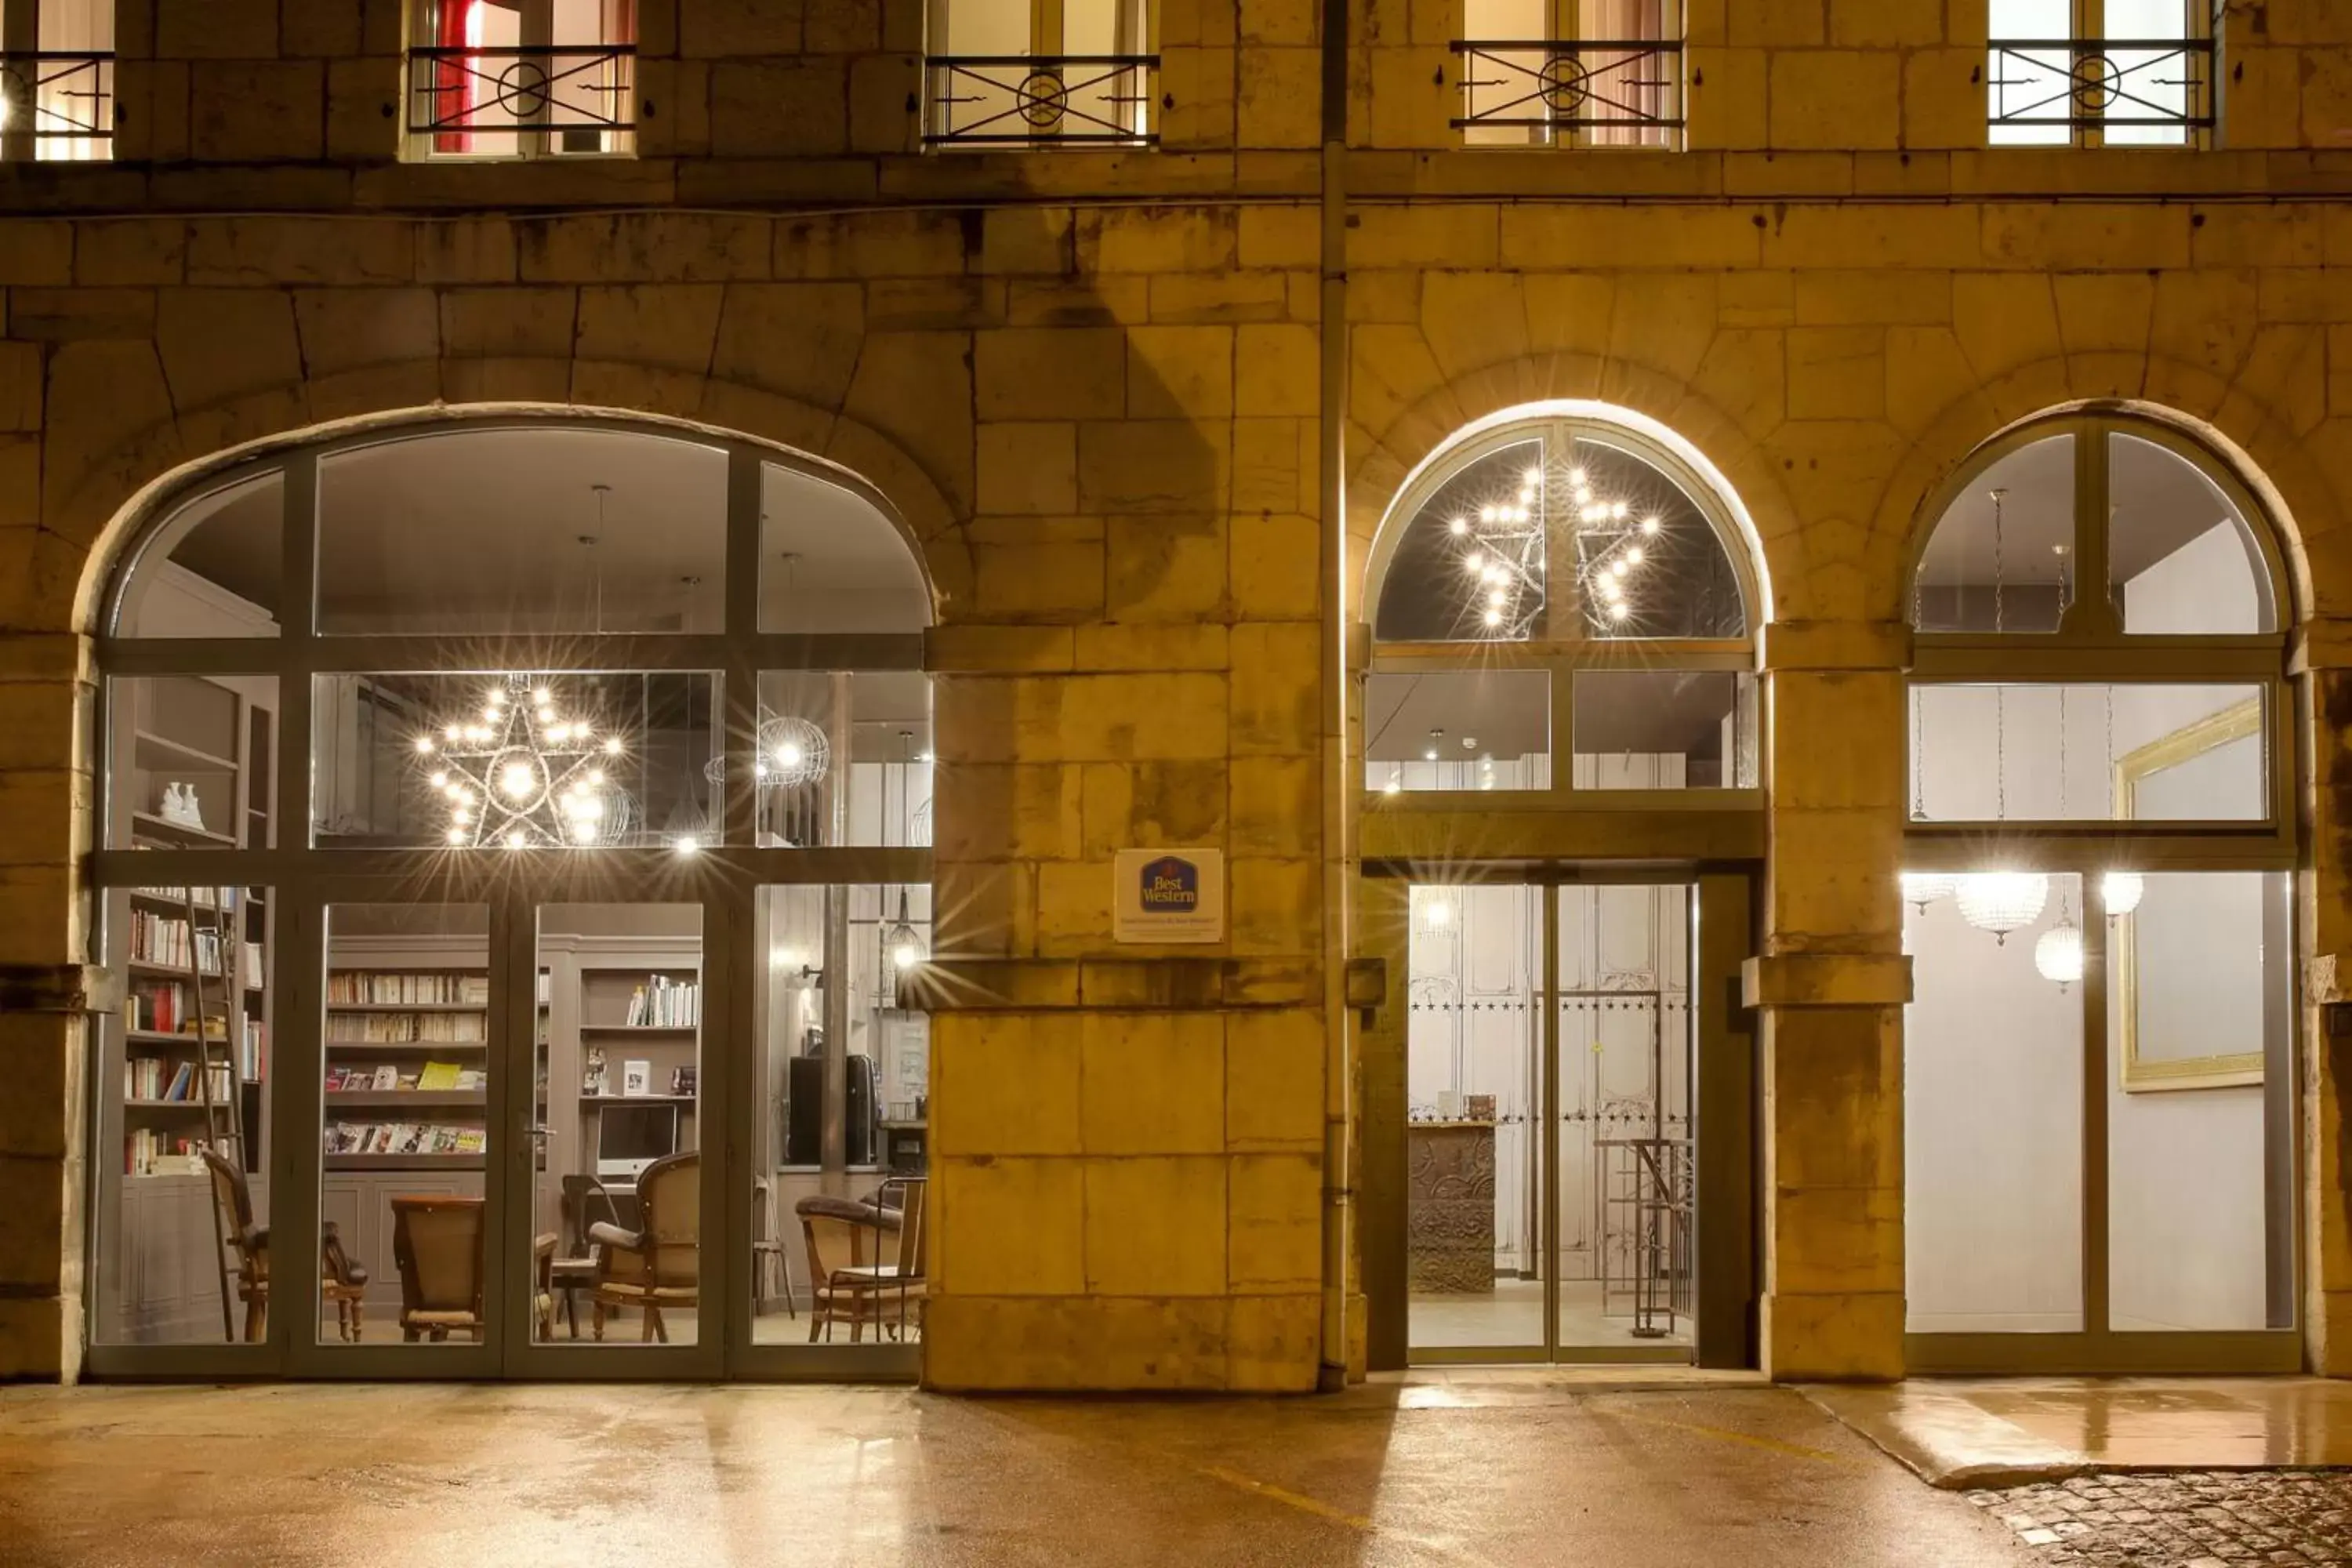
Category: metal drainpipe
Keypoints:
(1339, 800)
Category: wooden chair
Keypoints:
(584, 1202)
(851, 1282)
(340, 1281)
(436, 1243)
(769, 1258)
(659, 1264)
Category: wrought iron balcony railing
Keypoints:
(61, 103)
(1039, 101)
(561, 98)
(2133, 90)
(1604, 92)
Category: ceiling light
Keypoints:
(612, 746)
(424, 744)
(1526, 494)
(1924, 888)
(1618, 509)
(439, 780)
(1619, 610)
(1475, 562)
(456, 836)
(1649, 525)
(1583, 496)
(517, 779)
(686, 843)
(2121, 891)
(1499, 598)
(2002, 902)
(1576, 478)
(2059, 954)
(1458, 527)
(516, 838)
(1487, 513)
(1535, 476)
(1494, 618)
(1634, 555)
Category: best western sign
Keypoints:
(1169, 895)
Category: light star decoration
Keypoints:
(519, 773)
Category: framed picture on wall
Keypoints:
(2194, 1000)
(636, 1077)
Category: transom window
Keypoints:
(522, 79)
(1571, 73)
(2097, 73)
(1559, 574)
(2099, 1134)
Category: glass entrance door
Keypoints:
(1550, 1170)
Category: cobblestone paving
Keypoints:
(2202, 1518)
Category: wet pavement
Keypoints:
(2186, 1520)
(1453, 1470)
(1983, 1432)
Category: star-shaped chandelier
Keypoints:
(519, 772)
(1502, 540)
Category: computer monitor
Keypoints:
(631, 1137)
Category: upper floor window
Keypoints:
(1021, 73)
(56, 81)
(2095, 73)
(1572, 73)
(522, 79)
(1561, 577)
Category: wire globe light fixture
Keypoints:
(2121, 892)
(1921, 889)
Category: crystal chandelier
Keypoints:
(2059, 954)
(2002, 902)
(521, 773)
(1921, 889)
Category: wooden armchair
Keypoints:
(437, 1245)
(659, 1264)
(850, 1279)
(340, 1281)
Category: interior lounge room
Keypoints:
(521, 943)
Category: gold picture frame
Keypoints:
(2134, 768)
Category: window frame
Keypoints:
(2086, 45)
(1562, 658)
(26, 69)
(2091, 646)
(1034, 82)
(1562, 76)
(304, 880)
(536, 40)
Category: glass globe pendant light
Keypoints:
(2059, 954)
(1921, 889)
(2003, 902)
(2121, 891)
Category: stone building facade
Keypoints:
(1146, 409)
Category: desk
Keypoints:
(1450, 1207)
(906, 1146)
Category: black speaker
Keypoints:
(805, 1112)
(862, 1133)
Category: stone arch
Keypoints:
(2257, 448)
(1731, 458)
(89, 516)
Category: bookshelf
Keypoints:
(406, 1066)
(182, 1060)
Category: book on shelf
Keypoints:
(153, 1077)
(167, 1009)
(665, 1003)
(546, 989)
(430, 988)
(399, 1028)
(205, 898)
(173, 943)
(437, 1076)
(254, 1060)
(403, 1137)
(249, 964)
(472, 1078)
(148, 1152)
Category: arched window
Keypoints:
(1562, 573)
(2099, 1054)
(453, 776)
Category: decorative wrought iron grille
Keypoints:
(577, 95)
(979, 100)
(58, 99)
(2149, 85)
(1624, 91)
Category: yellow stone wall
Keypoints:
(1094, 383)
